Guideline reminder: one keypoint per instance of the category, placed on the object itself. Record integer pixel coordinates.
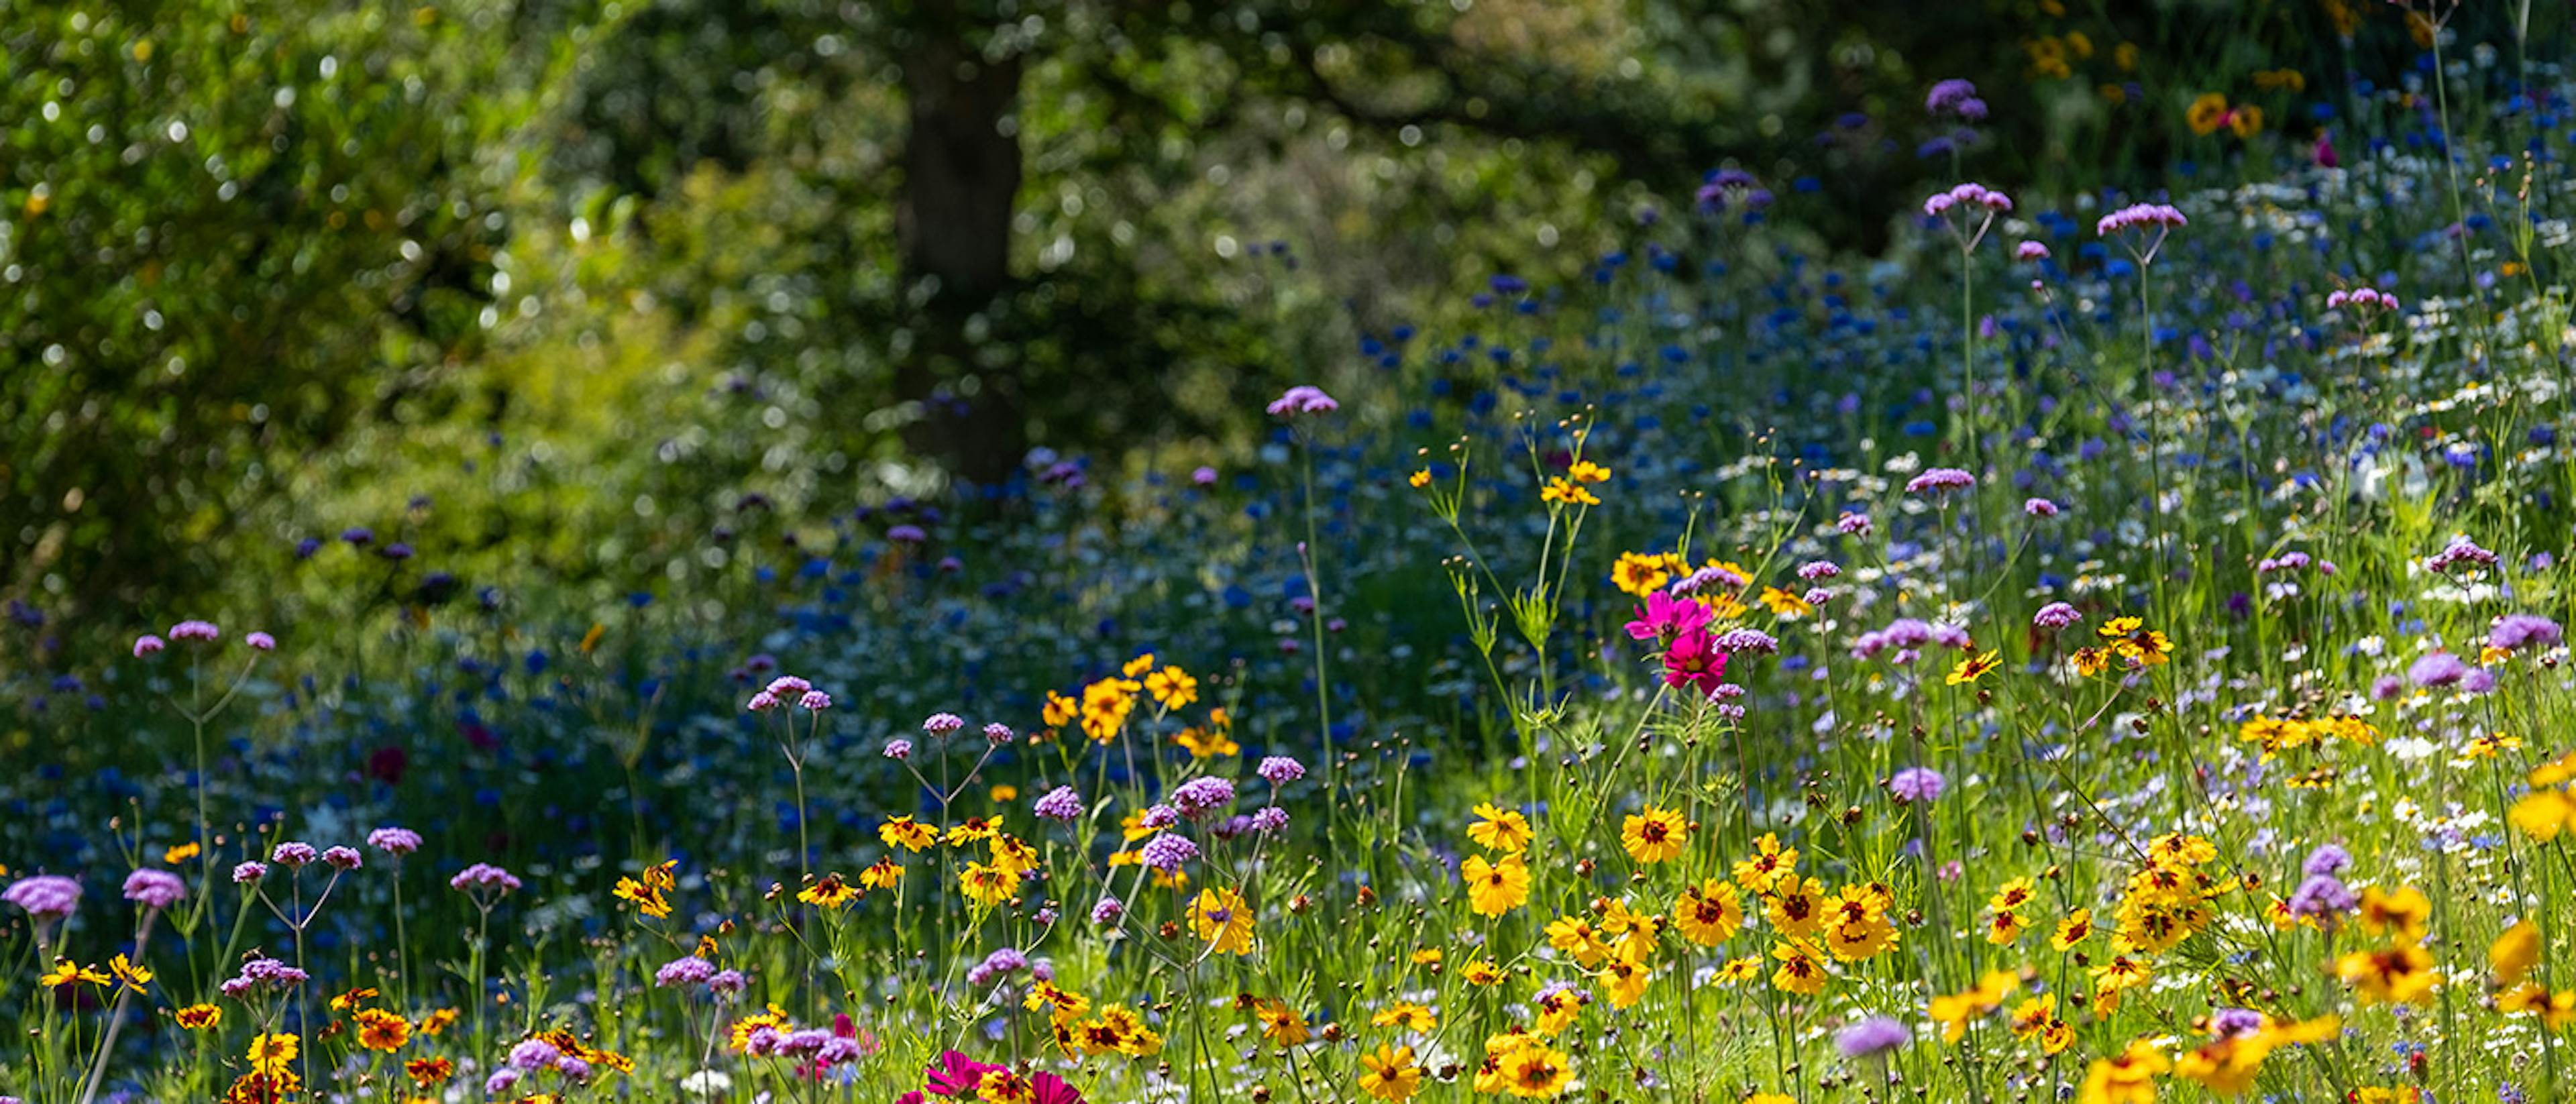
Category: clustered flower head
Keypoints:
(2460, 551)
(1970, 194)
(484, 878)
(1957, 97)
(1917, 785)
(1167, 852)
(155, 889)
(2516, 631)
(1060, 804)
(44, 896)
(1302, 399)
(2163, 216)
(1939, 480)
(1280, 770)
(263, 973)
(394, 841)
(2361, 298)
(943, 724)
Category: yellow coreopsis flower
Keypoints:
(1391, 1074)
(1494, 888)
(1654, 835)
(2401, 974)
(1568, 492)
(133, 975)
(271, 1054)
(1972, 668)
(1221, 919)
(1709, 913)
(1499, 829)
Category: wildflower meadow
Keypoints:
(2103, 643)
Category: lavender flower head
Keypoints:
(2437, 669)
(250, 873)
(343, 858)
(534, 1054)
(482, 878)
(1302, 399)
(2055, 615)
(195, 630)
(1852, 525)
(1107, 911)
(898, 749)
(1168, 852)
(155, 889)
(686, 970)
(2321, 896)
(44, 897)
(943, 724)
(1873, 1036)
(1158, 816)
(147, 644)
(2229, 1023)
(394, 841)
(1918, 785)
(1938, 480)
(1280, 770)
(1737, 640)
(1060, 804)
(1269, 819)
(260, 641)
(2514, 631)
(814, 701)
(728, 982)
(293, 855)
(2460, 551)
(2039, 508)
(2328, 859)
(998, 733)
(2030, 251)
(1198, 797)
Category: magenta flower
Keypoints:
(1693, 660)
(1940, 480)
(260, 641)
(44, 897)
(1666, 617)
(194, 630)
(147, 644)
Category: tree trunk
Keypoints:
(961, 176)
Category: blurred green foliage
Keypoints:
(553, 286)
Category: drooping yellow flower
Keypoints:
(1654, 835)
(907, 833)
(1494, 888)
(1282, 1025)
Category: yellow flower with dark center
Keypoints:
(66, 971)
(1494, 888)
(1802, 967)
(1567, 492)
(1221, 919)
(2207, 114)
(1282, 1025)
(271, 1054)
(1172, 687)
(2076, 928)
(199, 1017)
(1585, 471)
(382, 1031)
(129, 973)
(2400, 974)
(1406, 1015)
(1974, 667)
(1709, 913)
(1482, 973)
(1419, 479)
(2246, 121)
(1784, 605)
(2128, 1078)
(1391, 1074)
(1623, 979)
(972, 830)
(985, 885)
(907, 833)
(1769, 863)
(1498, 829)
(1534, 1070)
(829, 891)
(1641, 574)
(1796, 908)
(1654, 835)
(2403, 912)
(884, 874)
